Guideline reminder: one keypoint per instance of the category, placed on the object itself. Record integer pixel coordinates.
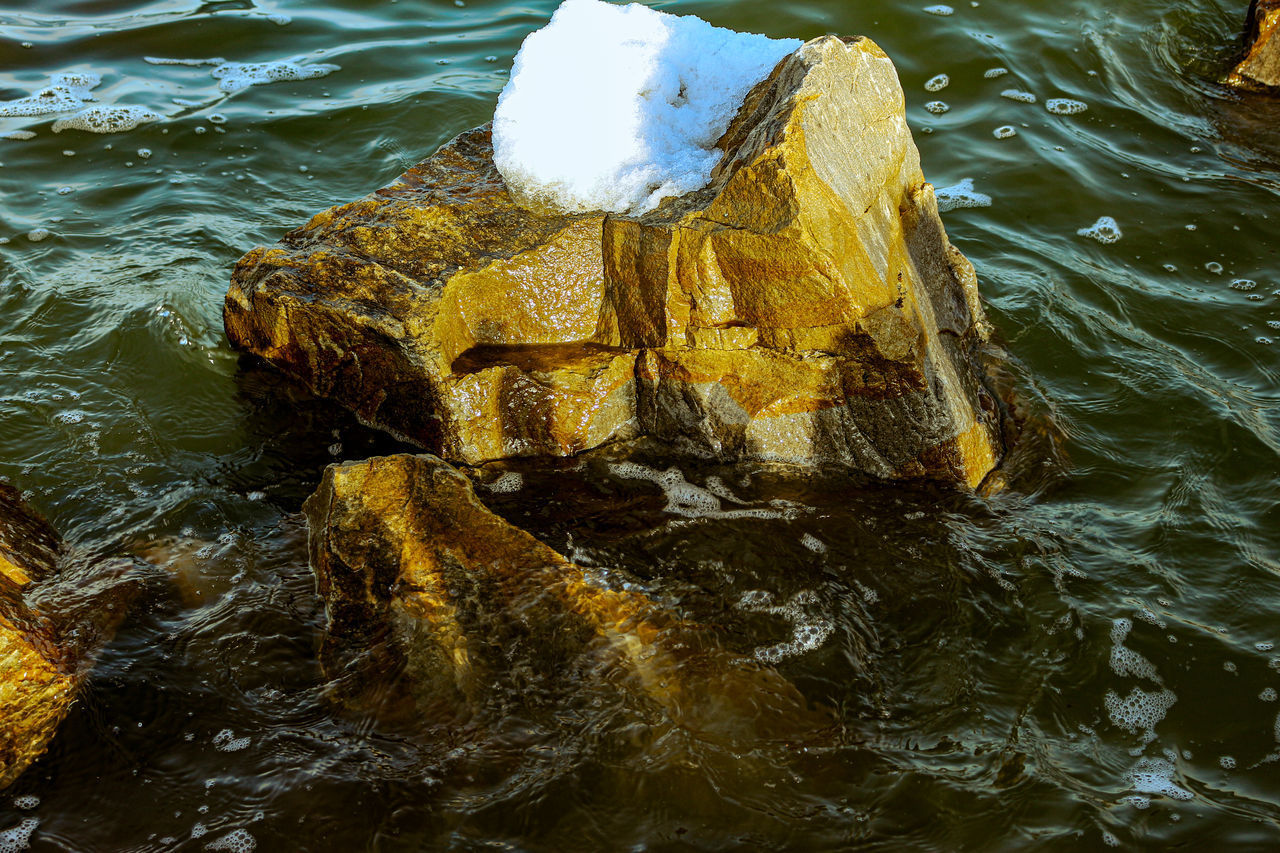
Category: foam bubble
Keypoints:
(1065, 106)
(1105, 230)
(1141, 710)
(236, 76)
(992, 73)
(1243, 284)
(160, 60)
(199, 830)
(106, 119)
(1125, 661)
(64, 93)
(1004, 131)
(813, 543)
(615, 108)
(1137, 801)
(27, 802)
(808, 632)
(1268, 694)
(961, 195)
(18, 837)
(226, 741)
(937, 83)
(1019, 96)
(235, 841)
(940, 10)
(686, 499)
(1109, 839)
(1214, 267)
(937, 107)
(1155, 776)
(35, 235)
(511, 481)
(1228, 762)
(19, 135)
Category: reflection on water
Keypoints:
(1085, 658)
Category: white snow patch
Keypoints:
(618, 107)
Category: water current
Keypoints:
(1087, 659)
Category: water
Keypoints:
(986, 692)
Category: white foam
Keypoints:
(106, 119)
(1155, 776)
(1268, 694)
(813, 543)
(808, 632)
(961, 195)
(937, 83)
(618, 107)
(64, 93)
(511, 481)
(226, 741)
(235, 76)
(937, 107)
(1105, 230)
(1019, 96)
(159, 60)
(1065, 106)
(1125, 661)
(235, 841)
(992, 73)
(1004, 131)
(1228, 762)
(18, 837)
(691, 501)
(19, 135)
(26, 802)
(940, 10)
(1110, 839)
(1140, 711)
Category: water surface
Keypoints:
(1085, 660)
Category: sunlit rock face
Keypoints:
(804, 307)
(1260, 68)
(422, 582)
(37, 677)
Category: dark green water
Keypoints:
(971, 646)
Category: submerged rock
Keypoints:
(806, 307)
(1260, 67)
(417, 573)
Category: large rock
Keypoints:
(1260, 67)
(419, 577)
(806, 307)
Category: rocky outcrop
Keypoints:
(1260, 67)
(414, 568)
(38, 679)
(806, 307)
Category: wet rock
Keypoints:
(419, 578)
(1259, 70)
(37, 679)
(806, 307)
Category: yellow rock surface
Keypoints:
(805, 307)
(1260, 67)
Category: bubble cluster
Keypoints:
(993, 73)
(1125, 661)
(26, 802)
(235, 841)
(1268, 694)
(813, 543)
(937, 83)
(1228, 762)
(1155, 776)
(808, 632)
(64, 93)
(235, 76)
(1065, 106)
(961, 195)
(1140, 710)
(685, 498)
(510, 481)
(226, 741)
(1105, 230)
(1243, 284)
(940, 10)
(937, 107)
(1004, 131)
(107, 119)
(19, 135)
(1019, 96)
(18, 837)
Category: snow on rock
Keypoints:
(617, 107)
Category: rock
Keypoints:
(1260, 67)
(418, 576)
(37, 679)
(806, 307)
(55, 615)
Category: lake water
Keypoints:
(1086, 659)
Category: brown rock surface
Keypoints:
(1260, 68)
(37, 680)
(806, 307)
(408, 558)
